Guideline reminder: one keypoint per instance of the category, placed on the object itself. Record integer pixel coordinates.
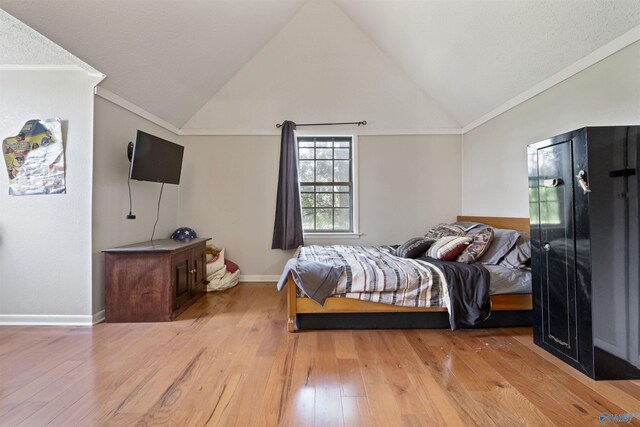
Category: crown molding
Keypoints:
(97, 75)
(356, 131)
(129, 106)
(41, 67)
(594, 57)
(392, 132)
(228, 132)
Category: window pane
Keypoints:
(343, 219)
(306, 170)
(323, 200)
(341, 153)
(342, 200)
(305, 153)
(324, 219)
(306, 144)
(306, 199)
(324, 153)
(323, 172)
(342, 189)
(324, 144)
(307, 219)
(324, 189)
(341, 170)
(307, 188)
(343, 143)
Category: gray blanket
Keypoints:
(317, 280)
(468, 286)
(375, 274)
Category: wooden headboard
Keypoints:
(520, 224)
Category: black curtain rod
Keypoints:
(362, 123)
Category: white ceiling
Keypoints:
(166, 56)
(171, 57)
(321, 68)
(471, 56)
(21, 45)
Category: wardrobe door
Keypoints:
(556, 255)
(634, 247)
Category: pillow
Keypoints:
(232, 267)
(481, 241)
(449, 247)
(520, 255)
(443, 230)
(503, 241)
(414, 247)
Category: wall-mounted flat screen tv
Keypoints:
(156, 159)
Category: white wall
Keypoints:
(114, 128)
(406, 183)
(45, 240)
(495, 154)
(320, 68)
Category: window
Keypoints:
(326, 174)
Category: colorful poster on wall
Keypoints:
(35, 158)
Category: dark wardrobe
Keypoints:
(583, 198)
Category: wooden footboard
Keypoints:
(292, 303)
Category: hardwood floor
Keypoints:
(228, 360)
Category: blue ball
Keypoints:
(184, 234)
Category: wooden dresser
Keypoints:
(153, 281)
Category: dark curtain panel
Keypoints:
(287, 230)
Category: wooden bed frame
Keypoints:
(507, 302)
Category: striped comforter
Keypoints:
(375, 274)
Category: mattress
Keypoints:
(505, 280)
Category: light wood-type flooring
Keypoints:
(228, 361)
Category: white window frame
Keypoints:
(355, 220)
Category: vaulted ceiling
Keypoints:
(176, 58)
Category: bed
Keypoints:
(357, 313)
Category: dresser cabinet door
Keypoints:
(553, 220)
(182, 274)
(199, 269)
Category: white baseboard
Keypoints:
(47, 319)
(251, 278)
